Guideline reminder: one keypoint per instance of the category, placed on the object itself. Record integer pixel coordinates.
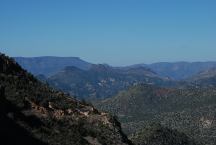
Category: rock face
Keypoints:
(33, 113)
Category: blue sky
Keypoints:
(117, 32)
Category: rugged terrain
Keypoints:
(190, 110)
(102, 81)
(155, 134)
(33, 113)
(51, 65)
(46, 116)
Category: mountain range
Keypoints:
(189, 110)
(206, 78)
(178, 97)
(102, 81)
(98, 81)
(33, 113)
(52, 65)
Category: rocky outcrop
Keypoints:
(46, 116)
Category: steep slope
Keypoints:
(102, 81)
(137, 101)
(191, 110)
(11, 133)
(33, 113)
(49, 65)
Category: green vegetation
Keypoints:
(190, 110)
(155, 134)
(33, 113)
(102, 81)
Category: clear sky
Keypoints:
(117, 32)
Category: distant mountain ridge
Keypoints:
(206, 78)
(180, 70)
(102, 81)
(50, 65)
(86, 80)
(205, 74)
(98, 81)
(32, 113)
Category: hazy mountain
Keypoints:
(191, 110)
(101, 81)
(205, 78)
(49, 65)
(178, 70)
(33, 113)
